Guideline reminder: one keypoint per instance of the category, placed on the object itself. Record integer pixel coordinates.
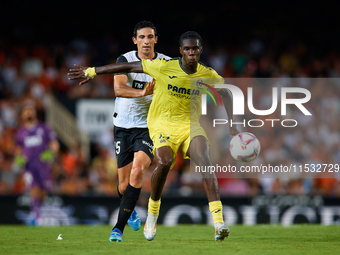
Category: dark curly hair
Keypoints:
(143, 24)
(190, 35)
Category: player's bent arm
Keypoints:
(227, 99)
(122, 90)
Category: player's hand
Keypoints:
(148, 90)
(46, 156)
(20, 160)
(233, 130)
(78, 73)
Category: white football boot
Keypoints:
(221, 231)
(150, 227)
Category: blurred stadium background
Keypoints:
(39, 42)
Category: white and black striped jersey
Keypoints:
(132, 112)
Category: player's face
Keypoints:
(28, 114)
(191, 51)
(145, 40)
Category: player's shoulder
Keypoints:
(129, 56)
(166, 60)
(161, 56)
(162, 61)
(208, 70)
(205, 67)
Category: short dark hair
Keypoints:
(190, 35)
(143, 24)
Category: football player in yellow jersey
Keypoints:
(169, 121)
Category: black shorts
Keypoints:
(130, 140)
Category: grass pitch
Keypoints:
(181, 239)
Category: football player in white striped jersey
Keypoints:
(133, 144)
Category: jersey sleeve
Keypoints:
(121, 59)
(152, 67)
(166, 57)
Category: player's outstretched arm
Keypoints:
(227, 99)
(84, 74)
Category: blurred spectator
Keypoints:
(104, 172)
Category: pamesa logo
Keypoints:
(200, 87)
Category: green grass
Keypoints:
(182, 239)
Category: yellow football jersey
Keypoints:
(173, 118)
(172, 93)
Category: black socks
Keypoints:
(127, 205)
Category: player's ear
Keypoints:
(156, 39)
(134, 40)
(201, 49)
(181, 50)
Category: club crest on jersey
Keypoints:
(200, 84)
(162, 138)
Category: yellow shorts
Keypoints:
(176, 136)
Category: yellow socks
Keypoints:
(215, 208)
(154, 206)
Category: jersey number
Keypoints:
(117, 147)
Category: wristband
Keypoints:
(90, 73)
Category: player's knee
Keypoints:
(137, 171)
(165, 163)
(136, 178)
(139, 167)
(122, 186)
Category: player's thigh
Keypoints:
(197, 143)
(165, 149)
(198, 150)
(123, 144)
(142, 148)
(141, 161)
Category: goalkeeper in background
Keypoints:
(36, 146)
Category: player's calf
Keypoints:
(127, 206)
